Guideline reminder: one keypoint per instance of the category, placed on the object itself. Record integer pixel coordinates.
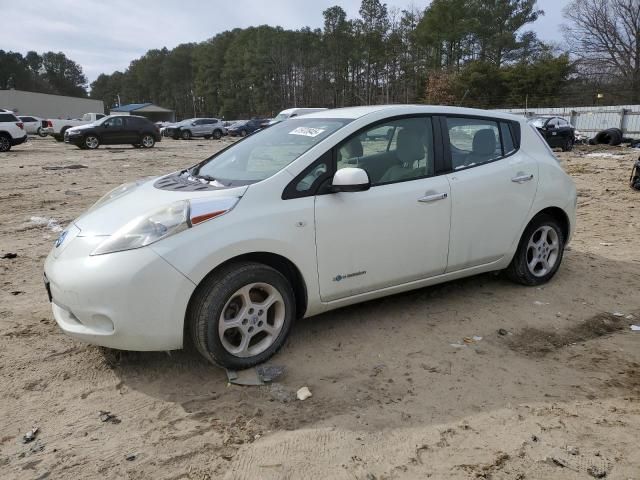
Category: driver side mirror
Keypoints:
(193, 124)
(350, 180)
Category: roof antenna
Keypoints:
(463, 97)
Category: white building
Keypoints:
(48, 106)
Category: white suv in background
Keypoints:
(11, 131)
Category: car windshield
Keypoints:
(538, 122)
(266, 152)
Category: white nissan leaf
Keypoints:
(318, 212)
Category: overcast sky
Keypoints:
(105, 36)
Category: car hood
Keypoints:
(144, 198)
(81, 127)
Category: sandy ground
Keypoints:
(555, 398)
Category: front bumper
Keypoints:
(18, 141)
(132, 300)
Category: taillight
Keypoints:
(49, 124)
(20, 125)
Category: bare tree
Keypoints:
(605, 36)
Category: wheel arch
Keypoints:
(278, 262)
(559, 215)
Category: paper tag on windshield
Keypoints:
(307, 131)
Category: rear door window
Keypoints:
(7, 117)
(473, 141)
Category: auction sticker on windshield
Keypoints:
(307, 131)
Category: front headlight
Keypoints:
(146, 229)
(164, 222)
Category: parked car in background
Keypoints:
(556, 131)
(196, 127)
(34, 125)
(293, 112)
(307, 216)
(12, 131)
(244, 128)
(57, 127)
(114, 130)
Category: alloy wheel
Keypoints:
(543, 251)
(251, 320)
(147, 141)
(91, 142)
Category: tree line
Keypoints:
(47, 73)
(478, 53)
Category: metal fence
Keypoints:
(590, 120)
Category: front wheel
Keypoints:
(147, 141)
(539, 252)
(568, 145)
(91, 142)
(241, 315)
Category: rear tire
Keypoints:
(539, 252)
(41, 133)
(5, 142)
(226, 321)
(243, 133)
(217, 134)
(185, 135)
(147, 141)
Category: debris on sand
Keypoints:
(503, 332)
(130, 457)
(635, 328)
(50, 223)
(30, 436)
(255, 376)
(9, 255)
(73, 166)
(109, 417)
(303, 393)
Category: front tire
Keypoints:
(185, 135)
(91, 142)
(568, 145)
(539, 252)
(241, 315)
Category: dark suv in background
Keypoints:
(246, 127)
(556, 131)
(114, 130)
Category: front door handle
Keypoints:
(433, 198)
(522, 178)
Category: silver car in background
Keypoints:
(196, 127)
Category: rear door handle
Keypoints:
(433, 198)
(522, 178)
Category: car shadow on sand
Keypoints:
(433, 354)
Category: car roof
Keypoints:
(358, 112)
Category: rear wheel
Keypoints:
(185, 135)
(539, 252)
(91, 142)
(41, 133)
(241, 315)
(147, 141)
(217, 134)
(243, 133)
(5, 142)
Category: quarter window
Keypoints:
(507, 138)
(473, 141)
(394, 151)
